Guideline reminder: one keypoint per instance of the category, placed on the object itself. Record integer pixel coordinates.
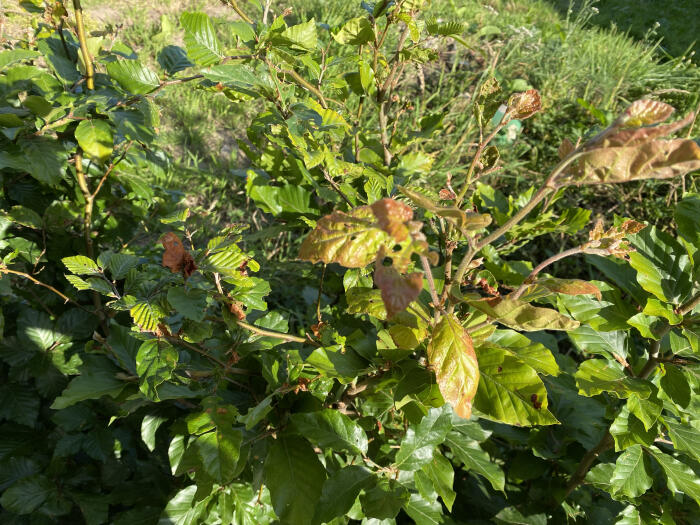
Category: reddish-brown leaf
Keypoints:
(398, 291)
(452, 357)
(392, 217)
(176, 257)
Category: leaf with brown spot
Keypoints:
(398, 291)
(520, 315)
(544, 287)
(349, 239)
(645, 112)
(176, 257)
(451, 356)
(392, 217)
(524, 105)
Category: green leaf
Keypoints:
(474, 458)
(155, 362)
(687, 215)
(365, 300)
(133, 76)
(183, 508)
(647, 410)
(421, 440)
(356, 31)
(97, 378)
(529, 352)
(632, 475)
(662, 264)
(173, 59)
(424, 512)
(330, 429)
(675, 385)
(510, 391)
(680, 476)
(26, 217)
(27, 495)
(96, 139)
(300, 36)
(120, 263)
(81, 265)
(597, 375)
(627, 431)
(523, 316)
(147, 315)
(607, 344)
(45, 159)
(219, 451)
(441, 474)
(202, 45)
(340, 492)
(295, 478)
(149, 427)
(191, 303)
(19, 403)
(685, 437)
(384, 500)
(451, 355)
(9, 57)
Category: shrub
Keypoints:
(145, 379)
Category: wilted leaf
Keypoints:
(524, 105)
(451, 355)
(175, 256)
(645, 112)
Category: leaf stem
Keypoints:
(270, 333)
(606, 443)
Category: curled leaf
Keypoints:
(452, 357)
(176, 257)
(613, 240)
(625, 152)
(392, 217)
(524, 105)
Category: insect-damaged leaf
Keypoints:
(451, 354)
(524, 105)
(398, 291)
(176, 257)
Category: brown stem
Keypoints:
(270, 333)
(234, 5)
(110, 169)
(47, 286)
(606, 443)
(690, 305)
(336, 187)
(80, 27)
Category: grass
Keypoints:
(675, 23)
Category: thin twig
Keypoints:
(47, 286)
(431, 282)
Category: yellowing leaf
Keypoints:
(350, 239)
(523, 316)
(451, 355)
(645, 112)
